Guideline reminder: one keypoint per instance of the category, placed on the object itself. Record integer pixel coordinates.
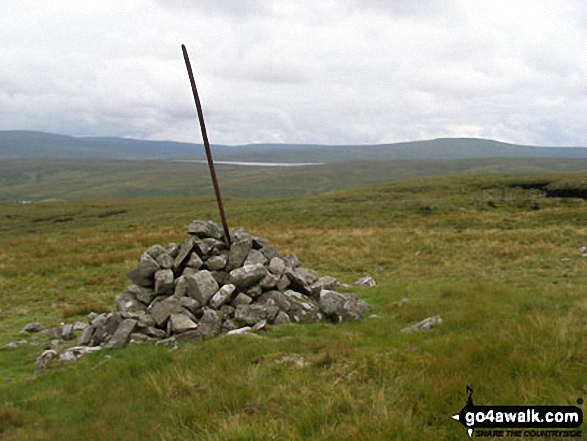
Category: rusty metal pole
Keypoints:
(206, 143)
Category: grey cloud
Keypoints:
(222, 7)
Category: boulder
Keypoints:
(141, 293)
(204, 229)
(122, 335)
(216, 262)
(247, 276)
(179, 323)
(185, 250)
(223, 296)
(239, 251)
(160, 310)
(255, 257)
(129, 306)
(277, 266)
(143, 275)
(164, 285)
(202, 286)
(241, 299)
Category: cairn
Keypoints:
(202, 288)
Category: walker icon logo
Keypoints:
(483, 420)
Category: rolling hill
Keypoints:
(36, 145)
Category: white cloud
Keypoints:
(338, 71)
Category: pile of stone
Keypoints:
(203, 287)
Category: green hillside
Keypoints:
(499, 262)
(34, 180)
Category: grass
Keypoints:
(503, 271)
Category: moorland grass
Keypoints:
(504, 271)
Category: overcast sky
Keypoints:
(299, 71)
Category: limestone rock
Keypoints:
(164, 282)
(44, 359)
(247, 276)
(202, 286)
(223, 296)
(179, 323)
(241, 299)
(239, 251)
(255, 257)
(141, 293)
(216, 262)
(161, 310)
(32, 327)
(144, 273)
(204, 229)
(277, 266)
(185, 250)
(128, 306)
(365, 281)
(122, 335)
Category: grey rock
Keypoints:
(146, 320)
(365, 281)
(190, 304)
(122, 335)
(164, 282)
(331, 303)
(181, 286)
(185, 250)
(259, 242)
(302, 308)
(291, 261)
(277, 266)
(187, 271)
(326, 282)
(67, 332)
(247, 276)
(194, 261)
(160, 310)
(205, 228)
(215, 263)
(75, 352)
(155, 251)
(137, 337)
(260, 326)
(86, 336)
(129, 306)
(105, 328)
(32, 327)
(227, 310)
(154, 332)
(283, 283)
(254, 257)
(209, 325)
(240, 331)
(250, 314)
(179, 323)
(228, 326)
(202, 248)
(15, 344)
(91, 317)
(202, 286)
(353, 307)
(79, 326)
(221, 277)
(301, 279)
(254, 291)
(144, 273)
(165, 260)
(241, 299)
(269, 281)
(173, 249)
(171, 341)
(275, 298)
(281, 318)
(223, 296)
(423, 325)
(215, 244)
(44, 359)
(270, 253)
(142, 294)
(239, 251)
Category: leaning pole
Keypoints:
(206, 144)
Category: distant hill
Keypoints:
(36, 145)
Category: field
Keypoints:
(495, 259)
